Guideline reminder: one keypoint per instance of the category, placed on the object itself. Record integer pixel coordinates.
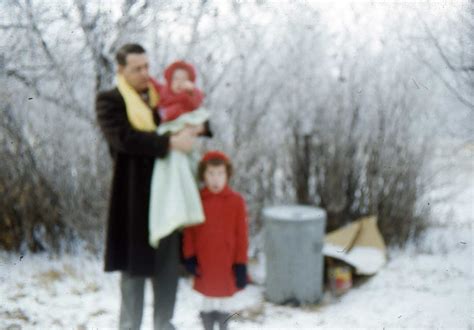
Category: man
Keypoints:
(134, 151)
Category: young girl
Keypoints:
(174, 199)
(215, 252)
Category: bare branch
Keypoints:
(32, 85)
(195, 28)
(448, 63)
(13, 26)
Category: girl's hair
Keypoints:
(214, 162)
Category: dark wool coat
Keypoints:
(219, 243)
(133, 153)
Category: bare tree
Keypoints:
(29, 211)
(453, 47)
(309, 114)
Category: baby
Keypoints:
(179, 95)
(175, 201)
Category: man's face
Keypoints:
(215, 177)
(135, 71)
(178, 80)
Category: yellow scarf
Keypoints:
(138, 112)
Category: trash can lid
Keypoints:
(294, 213)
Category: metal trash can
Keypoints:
(294, 237)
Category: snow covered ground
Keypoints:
(430, 285)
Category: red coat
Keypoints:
(219, 243)
(174, 105)
(178, 104)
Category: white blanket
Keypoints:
(174, 198)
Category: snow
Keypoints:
(429, 285)
(294, 213)
(366, 260)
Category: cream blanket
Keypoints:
(175, 200)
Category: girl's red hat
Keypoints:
(189, 68)
(215, 154)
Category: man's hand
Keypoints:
(183, 140)
(196, 129)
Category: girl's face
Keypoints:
(215, 177)
(180, 76)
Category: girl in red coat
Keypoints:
(215, 252)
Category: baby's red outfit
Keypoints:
(173, 105)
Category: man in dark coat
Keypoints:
(134, 152)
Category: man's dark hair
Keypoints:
(127, 49)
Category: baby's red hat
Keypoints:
(215, 154)
(188, 67)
